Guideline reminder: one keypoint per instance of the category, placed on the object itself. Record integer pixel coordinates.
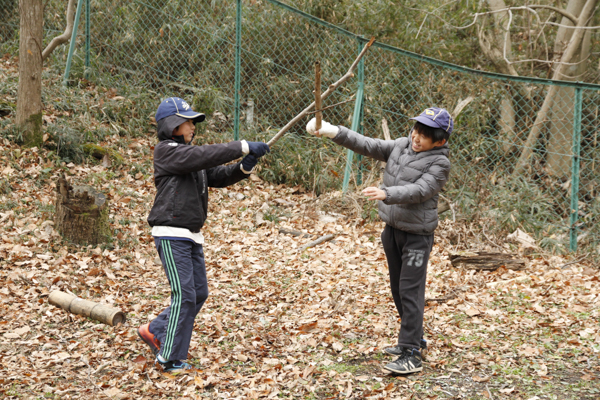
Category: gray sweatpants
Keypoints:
(407, 256)
(183, 261)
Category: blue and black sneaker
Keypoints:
(173, 367)
(409, 362)
(397, 350)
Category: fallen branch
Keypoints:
(517, 279)
(316, 242)
(564, 266)
(326, 94)
(452, 295)
(294, 233)
(485, 261)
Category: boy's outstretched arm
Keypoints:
(424, 188)
(374, 148)
(176, 159)
(225, 175)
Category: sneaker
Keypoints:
(423, 348)
(174, 367)
(410, 361)
(151, 340)
(397, 350)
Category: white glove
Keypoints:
(326, 128)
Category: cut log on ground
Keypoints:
(100, 312)
(81, 213)
(485, 261)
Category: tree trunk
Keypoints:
(81, 214)
(29, 95)
(560, 139)
(542, 117)
(496, 44)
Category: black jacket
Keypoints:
(182, 174)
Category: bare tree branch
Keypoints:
(586, 13)
(481, 14)
(572, 27)
(58, 40)
(530, 8)
(560, 11)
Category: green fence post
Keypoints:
(72, 44)
(238, 68)
(86, 72)
(356, 116)
(575, 169)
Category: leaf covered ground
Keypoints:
(279, 322)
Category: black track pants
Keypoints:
(183, 261)
(407, 256)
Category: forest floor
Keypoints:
(280, 322)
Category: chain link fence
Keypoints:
(513, 165)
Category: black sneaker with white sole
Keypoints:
(397, 350)
(410, 361)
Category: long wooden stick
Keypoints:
(325, 94)
(318, 103)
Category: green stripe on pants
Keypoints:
(175, 302)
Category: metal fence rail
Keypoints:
(253, 63)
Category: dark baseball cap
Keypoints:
(436, 118)
(179, 107)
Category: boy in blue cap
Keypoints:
(182, 174)
(417, 169)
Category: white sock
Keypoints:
(160, 359)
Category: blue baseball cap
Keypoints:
(436, 118)
(179, 107)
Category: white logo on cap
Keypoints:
(185, 105)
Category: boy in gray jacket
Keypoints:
(416, 171)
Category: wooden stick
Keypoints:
(108, 315)
(386, 136)
(386, 129)
(318, 103)
(326, 94)
(316, 242)
(294, 233)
